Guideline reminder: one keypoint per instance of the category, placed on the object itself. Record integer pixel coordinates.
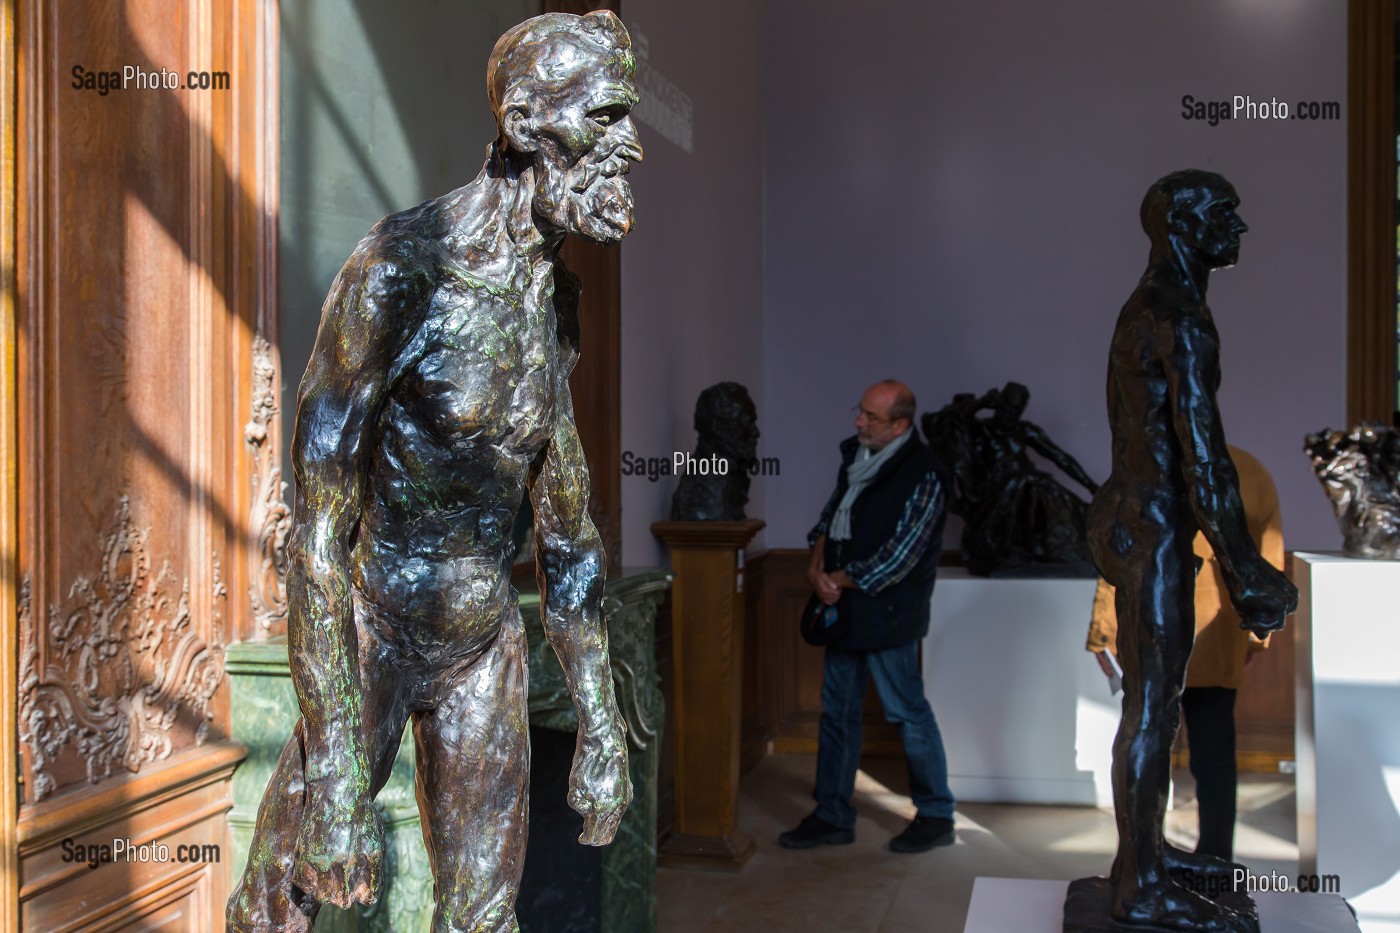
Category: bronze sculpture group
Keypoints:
(436, 398)
(1018, 519)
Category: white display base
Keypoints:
(1348, 730)
(1025, 712)
(1018, 905)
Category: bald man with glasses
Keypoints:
(875, 555)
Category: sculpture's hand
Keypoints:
(599, 788)
(339, 852)
(1265, 600)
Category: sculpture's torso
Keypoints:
(471, 404)
(1147, 459)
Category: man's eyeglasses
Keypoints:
(869, 416)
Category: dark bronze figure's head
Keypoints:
(727, 421)
(1194, 212)
(562, 88)
(1011, 401)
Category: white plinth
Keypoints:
(1348, 729)
(1025, 712)
(1018, 905)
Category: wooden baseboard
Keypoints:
(1245, 762)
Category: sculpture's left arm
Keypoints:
(570, 568)
(1040, 442)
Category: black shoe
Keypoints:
(924, 833)
(815, 831)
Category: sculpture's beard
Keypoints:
(590, 198)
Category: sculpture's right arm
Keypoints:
(367, 316)
(1262, 595)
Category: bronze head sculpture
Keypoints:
(726, 423)
(1171, 475)
(436, 398)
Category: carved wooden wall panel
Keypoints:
(788, 671)
(148, 526)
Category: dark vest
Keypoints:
(899, 614)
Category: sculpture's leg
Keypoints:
(473, 788)
(1156, 628)
(265, 898)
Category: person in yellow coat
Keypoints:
(1223, 650)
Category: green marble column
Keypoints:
(265, 710)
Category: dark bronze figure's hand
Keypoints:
(599, 788)
(1266, 600)
(340, 853)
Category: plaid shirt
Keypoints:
(897, 556)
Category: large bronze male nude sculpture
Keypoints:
(436, 397)
(1171, 475)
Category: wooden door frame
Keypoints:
(1371, 166)
(9, 480)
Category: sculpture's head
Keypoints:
(561, 87)
(1195, 211)
(1012, 401)
(726, 420)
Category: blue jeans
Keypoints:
(901, 690)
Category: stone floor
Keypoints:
(865, 888)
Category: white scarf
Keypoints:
(858, 475)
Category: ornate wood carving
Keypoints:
(123, 668)
(137, 253)
(271, 519)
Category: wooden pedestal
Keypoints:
(707, 639)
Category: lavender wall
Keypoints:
(692, 270)
(951, 195)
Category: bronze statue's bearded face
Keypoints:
(563, 90)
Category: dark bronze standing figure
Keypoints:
(1171, 476)
(726, 423)
(437, 396)
(1360, 472)
(1019, 520)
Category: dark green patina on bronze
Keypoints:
(435, 400)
